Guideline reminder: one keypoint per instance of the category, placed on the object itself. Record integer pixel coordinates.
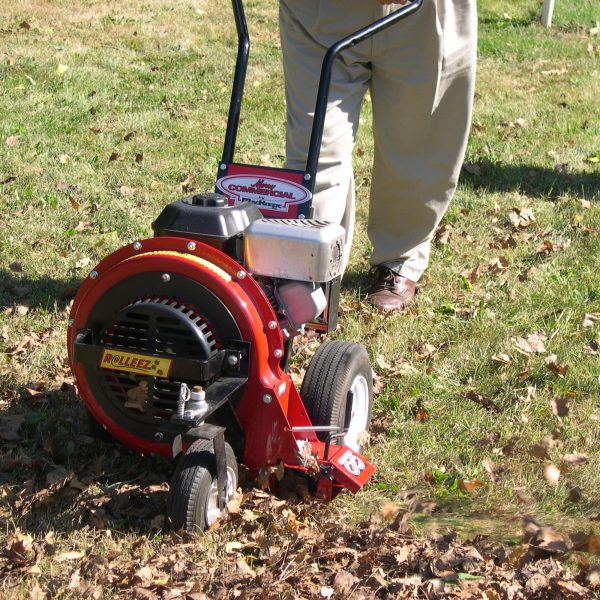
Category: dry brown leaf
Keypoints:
(425, 350)
(521, 217)
(590, 319)
(470, 485)
(490, 467)
(557, 368)
(67, 556)
(115, 156)
(12, 140)
(560, 406)
(442, 234)
(503, 358)
(576, 458)
(389, 511)
(482, 401)
(344, 582)
(539, 451)
(534, 343)
(498, 265)
(186, 184)
(551, 474)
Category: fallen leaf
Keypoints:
(489, 466)
(551, 474)
(61, 69)
(72, 555)
(560, 406)
(576, 458)
(557, 368)
(344, 582)
(83, 263)
(521, 217)
(186, 184)
(470, 485)
(482, 401)
(534, 343)
(503, 358)
(12, 140)
(115, 156)
(590, 319)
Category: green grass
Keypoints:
(162, 71)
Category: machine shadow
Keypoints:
(42, 292)
(531, 180)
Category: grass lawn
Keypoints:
(487, 390)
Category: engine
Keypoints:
(293, 260)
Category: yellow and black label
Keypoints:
(135, 363)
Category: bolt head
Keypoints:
(70, 322)
(94, 275)
(232, 360)
(307, 176)
(222, 166)
(301, 216)
(191, 246)
(158, 436)
(165, 277)
(137, 245)
(278, 353)
(267, 398)
(241, 274)
(272, 325)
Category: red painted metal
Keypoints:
(270, 404)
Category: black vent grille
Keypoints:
(162, 327)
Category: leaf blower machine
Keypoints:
(179, 344)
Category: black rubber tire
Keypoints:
(191, 486)
(329, 377)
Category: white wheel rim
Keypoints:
(357, 424)
(212, 512)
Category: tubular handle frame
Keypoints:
(316, 136)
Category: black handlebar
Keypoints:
(316, 136)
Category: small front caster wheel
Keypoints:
(338, 390)
(193, 499)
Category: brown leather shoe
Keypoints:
(390, 291)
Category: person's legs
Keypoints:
(308, 28)
(422, 90)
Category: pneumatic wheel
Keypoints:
(193, 499)
(338, 390)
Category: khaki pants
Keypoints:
(420, 73)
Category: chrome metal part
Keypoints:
(299, 249)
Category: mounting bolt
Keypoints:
(272, 324)
(241, 274)
(222, 166)
(158, 436)
(307, 176)
(165, 277)
(301, 216)
(278, 353)
(70, 322)
(232, 360)
(191, 246)
(137, 245)
(94, 275)
(267, 398)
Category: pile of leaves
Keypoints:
(272, 543)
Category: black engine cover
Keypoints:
(208, 218)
